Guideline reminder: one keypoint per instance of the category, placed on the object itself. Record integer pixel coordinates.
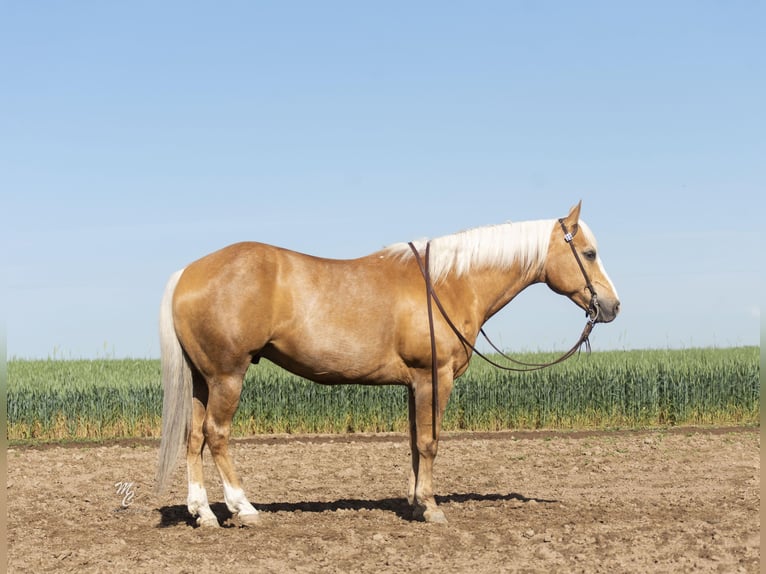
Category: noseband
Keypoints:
(592, 314)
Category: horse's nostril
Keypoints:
(617, 307)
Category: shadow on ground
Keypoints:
(178, 514)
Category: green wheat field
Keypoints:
(54, 400)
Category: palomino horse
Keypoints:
(351, 321)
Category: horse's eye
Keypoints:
(590, 254)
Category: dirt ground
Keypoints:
(684, 501)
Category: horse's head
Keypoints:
(573, 268)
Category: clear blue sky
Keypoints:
(139, 136)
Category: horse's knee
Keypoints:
(428, 447)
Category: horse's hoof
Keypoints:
(249, 519)
(208, 522)
(432, 515)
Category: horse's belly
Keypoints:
(333, 367)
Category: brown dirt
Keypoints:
(614, 502)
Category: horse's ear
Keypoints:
(573, 217)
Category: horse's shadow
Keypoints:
(178, 514)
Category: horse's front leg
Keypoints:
(424, 444)
(413, 447)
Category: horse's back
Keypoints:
(326, 319)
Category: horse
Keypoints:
(359, 321)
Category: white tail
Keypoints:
(177, 389)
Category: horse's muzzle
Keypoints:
(606, 310)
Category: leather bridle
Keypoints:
(593, 308)
(592, 314)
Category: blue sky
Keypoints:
(140, 136)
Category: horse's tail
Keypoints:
(177, 389)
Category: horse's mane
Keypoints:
(500, 246)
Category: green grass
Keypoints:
(66, 400)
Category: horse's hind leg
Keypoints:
(196, 501)
(223, 399)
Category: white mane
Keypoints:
(525, 242)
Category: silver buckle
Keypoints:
(568, 237)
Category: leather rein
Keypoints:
(592, 314)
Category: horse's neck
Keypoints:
(491, 289)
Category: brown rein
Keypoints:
(592, 314)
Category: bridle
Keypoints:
(593, 308)
(592, 315)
